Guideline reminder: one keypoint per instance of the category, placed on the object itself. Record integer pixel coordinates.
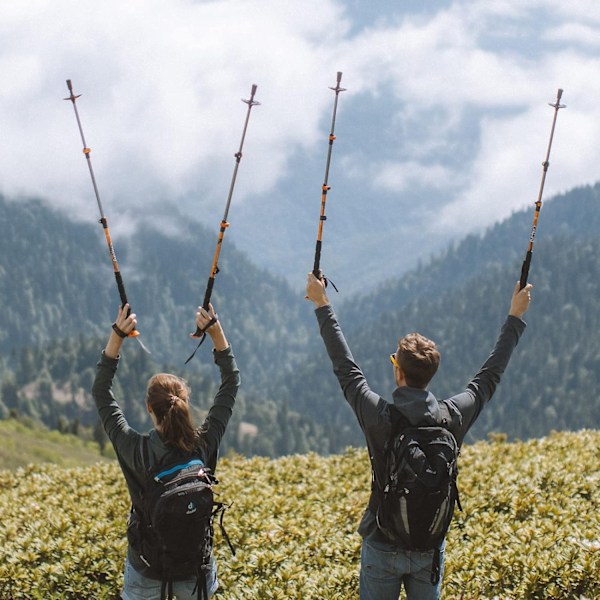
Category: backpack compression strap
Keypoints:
(397, 422)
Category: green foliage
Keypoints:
(57, 317)
(24, 442)
(52, 339)
(529, 527)
(552, 380)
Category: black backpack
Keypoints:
(417, 497)
(176, 522)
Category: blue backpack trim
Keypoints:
(191, 463)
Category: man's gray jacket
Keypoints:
(419, 406)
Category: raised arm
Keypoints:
(222, 408)
(122, 436)
(366, 404)
(482, 387)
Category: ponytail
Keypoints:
(168, 397)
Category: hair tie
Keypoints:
(173, 399)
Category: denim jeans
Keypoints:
(138, 587)
(382, 573)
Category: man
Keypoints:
(385, 567)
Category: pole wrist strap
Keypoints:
(118, 331)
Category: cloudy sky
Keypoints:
(442, 130)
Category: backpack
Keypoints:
(176, 528)
(417, 496)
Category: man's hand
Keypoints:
(520, 300)
(315, 291)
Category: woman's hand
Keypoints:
(124, 324)
(208, 321)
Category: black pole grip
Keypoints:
(209, 286)
(121, 288)
(208, 293)
(317, 263)
(525, 270)
(70, 85)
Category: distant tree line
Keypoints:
(59, 298)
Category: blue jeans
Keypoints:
(382, 573)
(138, 587)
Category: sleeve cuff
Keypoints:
(222, 353)
(516, 321)
(108, 361)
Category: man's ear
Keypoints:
(399, 376)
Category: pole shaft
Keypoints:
(538, 205)
(103, 221)
(224, 224)
(325, 188)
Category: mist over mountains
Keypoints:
(59, 298)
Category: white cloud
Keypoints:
(161, 85)
(440, 70)
(398, 177)
(451, 100)
(577, 34)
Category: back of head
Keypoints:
(168, 397)
(418, 358)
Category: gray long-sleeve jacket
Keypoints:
(127, 442)
(417, 405)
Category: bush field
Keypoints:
(530, 526)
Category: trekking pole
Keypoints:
(538, 205)
(316, 268)
(214, 269)
(103, 221)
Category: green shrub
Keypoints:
(530, 526)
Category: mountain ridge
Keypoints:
(55, 321)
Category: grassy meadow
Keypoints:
(530, 526)
(25, 442)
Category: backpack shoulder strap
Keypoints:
(450, 417)
(145, 453)
(138, 504)
(445, 416)
(398, 421)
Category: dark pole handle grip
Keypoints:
(317, 264)
(208, 293)
(124, 301)
(121, 288)
(209, 286)
(525, 270)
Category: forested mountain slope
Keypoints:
(573, 216)
(460, 300)
(59, 298)
(553, 379)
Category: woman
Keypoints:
(173, 437)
